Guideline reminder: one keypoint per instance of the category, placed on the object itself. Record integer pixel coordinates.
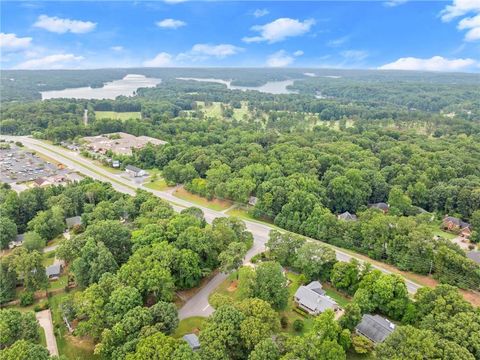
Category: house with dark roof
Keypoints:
(135, 171)
(347, 216)
(380, 206)
(53, 271)
(375, 328)
(458, 225)
(192, 341)
(73, 221)
(313, 299)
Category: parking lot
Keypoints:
(18, 165)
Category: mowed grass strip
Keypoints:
(122, 116)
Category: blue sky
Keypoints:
(394, 34)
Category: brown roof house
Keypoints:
(455, 224)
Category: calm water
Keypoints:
(126, 87)
(271, 87)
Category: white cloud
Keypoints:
(354, 55)
(55, 61)
(117, 48)
(280, 29)
(393, 3)
(338, 42)
(298, 53)
(435, 63)
(170, 23)
(174, 1)
(62, 26)
(162, 59)
(280, 59)
(219, 51)
(460, 8)
(10, 42)
(472, 24)
(260, 12)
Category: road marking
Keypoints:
(206, 307)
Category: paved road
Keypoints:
(44, 318)
(198, 304)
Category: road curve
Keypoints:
(198, 304)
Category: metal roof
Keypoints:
(192, 341)
(375, 327)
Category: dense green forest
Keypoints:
(131, 255)
(346, 141)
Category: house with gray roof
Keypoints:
(474, 255)
(347, 216)
(192, 341)
(73, 221)
(135, 171)
(380, 206)
(17, 242)
(313, 299)
(53, 271)
(375, 328)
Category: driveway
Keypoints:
(44, 318)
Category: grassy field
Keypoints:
(159, 185)
(214, 204)
(215, 110)
(189, 325)
(118, 115)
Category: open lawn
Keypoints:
(70, 346)
(228, 287)
(117, 115)
(159, 185)
(214, 204)
(215, 110)
(186, 326)
(48, 258)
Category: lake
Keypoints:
(126, 87)
(271, 87)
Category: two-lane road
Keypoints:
(198, 304)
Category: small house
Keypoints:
(53, 271)
(115, 163)
(17, 242)
(41, 182)
(347, 216)
(313, 300)
(458, 225)
(375, 328)
(73, 221)
(134, 171)
(380, 206)
(252, 200)
(192, 341)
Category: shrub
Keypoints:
(361, 344)
(27, 298)
(284, 322)
(298, 325)
(300, 311)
